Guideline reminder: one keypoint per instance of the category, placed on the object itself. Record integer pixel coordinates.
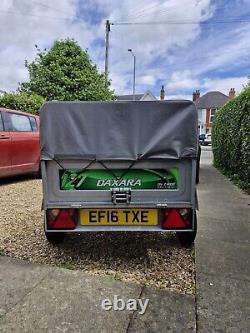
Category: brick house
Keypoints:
(207, 106)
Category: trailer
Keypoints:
(119, 166)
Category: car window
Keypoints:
(1, 123)
(20, 123)
(33, 124)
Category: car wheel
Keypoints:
(55, 238)
(187, 238)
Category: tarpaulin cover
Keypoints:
(118, 130)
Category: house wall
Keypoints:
(209, 124)
(148, 97)
(202, 121)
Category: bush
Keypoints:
(231, 139)
(30, 103)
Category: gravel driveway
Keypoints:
(151, 259)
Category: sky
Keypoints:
(184, 45)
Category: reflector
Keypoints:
(184, 212)
(66, 219)
(54, 213)
(173, 220)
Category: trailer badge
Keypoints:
(118, 183)
(135, 179)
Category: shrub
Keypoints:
(231, 139)
(30, 103)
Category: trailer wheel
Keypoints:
(187, 238)
(39, 172)
(55, 238)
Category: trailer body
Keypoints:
(119, 166)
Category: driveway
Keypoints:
(38, 298)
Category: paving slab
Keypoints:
(167, 312)
(222, 254)
(221, 230)
(49, 299)
(219, 199)
(17, 279)
(223, 304)
(223, 258)
(70, 301)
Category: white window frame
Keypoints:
(211, 116)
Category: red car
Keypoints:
(19, 143)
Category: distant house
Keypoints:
(148, 96)
(207, 106)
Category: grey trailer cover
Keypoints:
(118, 130)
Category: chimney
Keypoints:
(231, 93)
(162, 93)
(196, 95)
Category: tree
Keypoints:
(22, 102)
(66, 73)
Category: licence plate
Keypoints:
(142, 217)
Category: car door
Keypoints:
(24, 143)
(5, 149)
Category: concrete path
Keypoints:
(222, 254)
(37, 298)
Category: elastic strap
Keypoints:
(113, 174)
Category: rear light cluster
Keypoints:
(61, 219)
(178, 218)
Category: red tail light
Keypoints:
(61, 219)
(177, 219)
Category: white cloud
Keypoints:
(161, 50)
(121, 84)
(150, 42)
(146, 79)
(179, 96)
(181, 80)
(227, 51)
(225, 84)
(26, 23)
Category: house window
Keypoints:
(212, 113)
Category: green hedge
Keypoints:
(231, 139)
(22, 102)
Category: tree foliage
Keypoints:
(65, 72)
(231, 139)
(21, 101)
